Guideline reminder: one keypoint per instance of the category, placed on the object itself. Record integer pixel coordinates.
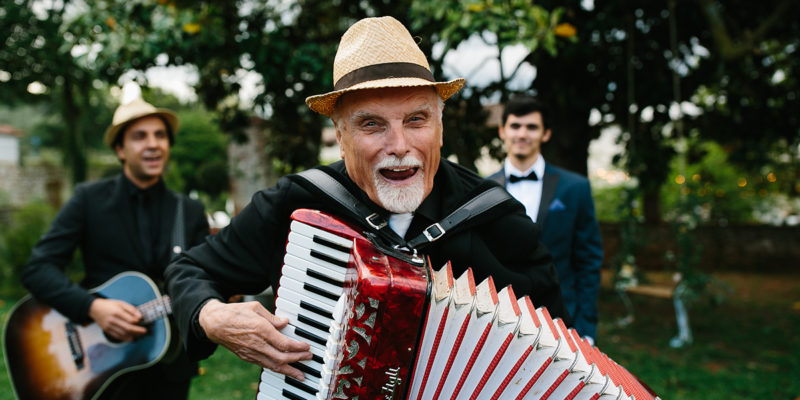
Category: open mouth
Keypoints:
(398, 174)
(152, 159)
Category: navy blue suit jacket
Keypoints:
(571, 233)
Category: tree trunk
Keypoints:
(75, 145)
(569, 144)
(651, 206)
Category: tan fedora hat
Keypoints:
(379, 53)
(134, 110)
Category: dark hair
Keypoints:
(520, 105)
(121, 132)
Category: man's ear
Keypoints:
(546, 136)
(338, 137)
(501, 132)
(120, 153)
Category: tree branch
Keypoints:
(734, 48)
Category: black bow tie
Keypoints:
(531, 177)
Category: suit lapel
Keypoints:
(500, 176)
(549, 184)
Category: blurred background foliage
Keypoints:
(700, 91)
(730, 65)
(703, 95)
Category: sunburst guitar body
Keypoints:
(50, 357)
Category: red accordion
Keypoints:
(383, 325)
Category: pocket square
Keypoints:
(557, 205)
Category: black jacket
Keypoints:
(99, 220)
(246, 257)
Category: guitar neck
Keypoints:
(155, 309)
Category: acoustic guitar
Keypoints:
(50, 357)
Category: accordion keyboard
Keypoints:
(310, 286)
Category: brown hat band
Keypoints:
(383, 71)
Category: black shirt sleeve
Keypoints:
(243, 258)
(44, 275)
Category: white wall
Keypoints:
(9, 149)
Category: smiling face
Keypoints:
(523, 136)
(390, 140)
(144, 150)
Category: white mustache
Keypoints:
(394, 162)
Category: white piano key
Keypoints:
(305, 254)
(336, 273)
(266, 396)
(294, 291)
(271, 376)
(306, 242)
(316, 349)
(294, 309)
(275, 383)
(293, 320)
(302, 276)
(310, 231)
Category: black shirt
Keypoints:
(99, 219)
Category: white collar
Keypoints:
(538, 167)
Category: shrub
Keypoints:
(26, 225)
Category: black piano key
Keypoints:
(307, 369)
(325, 257)
(291, 396)
(317, 359)
(327, 243)
(316, 275)
(322, 292)
(319, 311)
(312, 322)
(310, 336)
(300, 385)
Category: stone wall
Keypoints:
(754, 248)
(22, 184)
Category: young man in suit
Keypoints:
(123, 223)
(560, 202)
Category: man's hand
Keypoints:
(117, 318)
(251, 332)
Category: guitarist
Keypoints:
(122, 223)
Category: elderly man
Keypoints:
(387, 110)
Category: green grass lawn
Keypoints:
(746, 348)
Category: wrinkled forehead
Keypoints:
(402, 99)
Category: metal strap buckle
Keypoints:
(433, 232)
(375, 221)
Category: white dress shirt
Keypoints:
(400, 223)
(528, 192)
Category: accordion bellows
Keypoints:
(384, 328)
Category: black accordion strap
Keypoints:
(469, 210)
(479, 204)
(336, 191)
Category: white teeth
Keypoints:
(400, 169)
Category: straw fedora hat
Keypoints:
(379, 53)
(134, 110)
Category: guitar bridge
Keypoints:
(75, 346)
